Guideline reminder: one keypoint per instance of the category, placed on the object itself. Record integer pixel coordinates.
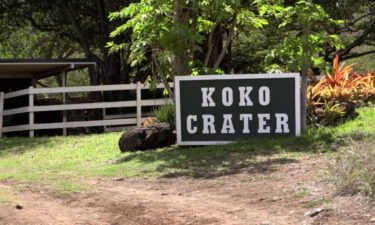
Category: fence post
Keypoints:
(64, 96)
(139, 104)
(31, 112)
(1, 113)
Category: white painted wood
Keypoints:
(20, 110)
(108, 120)
(1, 113)
(84, 106)
(94, 123)
(139, 104)
(156, 102)
(116, 87)
(127, 115)
(64, 96)
(16, 128)
(16, 93)
(31, 113)
(47, 126)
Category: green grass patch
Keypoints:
(316, 203)
(302, 193)
(61, 161)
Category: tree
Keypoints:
(305, 42)
(357, 29)
(82, 22)
(27, 42)
(184, 37)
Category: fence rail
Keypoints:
(31, 109)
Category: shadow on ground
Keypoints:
(16, 146)
(214, 161)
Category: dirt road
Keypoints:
(277, 194)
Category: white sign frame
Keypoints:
(177, 80)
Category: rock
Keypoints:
(234, 210)
(275, 199)
(372, 220)
(19, 207)
(143, 138)
(266, 223)
(316, 211)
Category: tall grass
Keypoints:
(353, 169)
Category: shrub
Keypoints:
(334, 98)
(353, 170)
(165, 114)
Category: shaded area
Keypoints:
(17, 146)
(214, 161)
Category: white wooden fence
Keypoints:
(31, 109)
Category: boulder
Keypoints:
(143, 138)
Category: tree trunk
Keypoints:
(304, 74)
(180, 64)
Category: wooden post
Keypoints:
(63, 83)
(1, 113)
(31, 112)
(104, 112)
(139, 104)
(34, 82)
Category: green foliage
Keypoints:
(305, 37)
(165, 114)
(28, 42)
(160, 37)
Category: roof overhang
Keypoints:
(37, 68)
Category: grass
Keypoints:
(316, 203)
(62, 162)
(353, 169)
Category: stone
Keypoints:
(19, 207)
(154, 136)
(316, 211)
(275, 199)
(266, 223)
(234, 210)
(372, 220)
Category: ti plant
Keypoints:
(335, 96)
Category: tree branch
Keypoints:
(227, 42)
(355, 55)
(210, 47)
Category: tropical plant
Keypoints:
(336, 95)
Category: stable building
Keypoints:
(21, 74)
(29, 108)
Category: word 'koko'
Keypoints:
(227, 96)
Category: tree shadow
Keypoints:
(17, 146)
(216, 161)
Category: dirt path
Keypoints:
(279, 194)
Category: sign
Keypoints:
(217, 109)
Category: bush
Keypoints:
(165, 114)
(353, 170)
(335, 97)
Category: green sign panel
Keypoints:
(217, 109)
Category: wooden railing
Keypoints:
(31, 109)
